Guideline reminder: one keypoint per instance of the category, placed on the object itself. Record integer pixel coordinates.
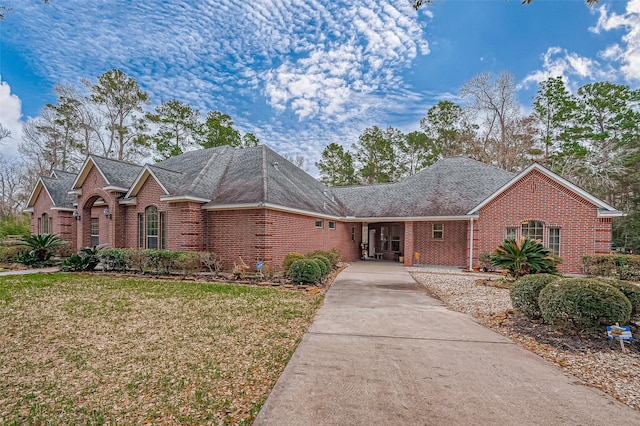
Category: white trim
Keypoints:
(141, 179)
(535, 166)
(277, 207)
(77, 192)
(28, 210)
(36, 192)
(183, 198)
(84, 172)
(616, 213)
(112, 188)
(471, 245)
(64, 209)
(133, 201)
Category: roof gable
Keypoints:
(57, 189)
(604, 209)
(118, 175)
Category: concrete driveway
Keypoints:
(382, 352)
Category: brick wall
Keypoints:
(451, 250)
(91, 191)
(268, 235)
(537, 197)
(62, 222)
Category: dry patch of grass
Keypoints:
(83, 349)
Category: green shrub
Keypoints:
(86, 260)
(43, 246)
(484, 259)
(524, 256)
(323, 262)
(16, 225)
(28, 258)
(136, 258)
(525, 291)
(113, 259)
(161, 260)
(187, 262)
(630, 290)
(304, 271)
(621, 266)
(289, 259)
(583, 304)
(9, 254)
(333, 256)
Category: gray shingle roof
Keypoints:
(118, 173)
(450, 187)
(231, 176)
(58, 186)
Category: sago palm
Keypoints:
(524, 256)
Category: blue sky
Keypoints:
(302, 74)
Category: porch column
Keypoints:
(471, 244)
(408, 244)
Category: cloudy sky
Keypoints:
(301, 74)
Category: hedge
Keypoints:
(620, 266)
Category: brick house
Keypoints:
(254, 203)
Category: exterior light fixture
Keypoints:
(107, 213)
(76, 215)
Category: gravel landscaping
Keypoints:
(590, 360)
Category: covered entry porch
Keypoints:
(383, 241)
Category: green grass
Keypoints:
(88, 349)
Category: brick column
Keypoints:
(408, 244)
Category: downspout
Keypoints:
(471, 245)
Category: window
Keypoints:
(45, 224)
(395, 238)
(163, 230)
(140, 230)
(438, 231)
(554, 240)
(332, 225)
(353, 233)
(152, 227)
(511, 233)
(95, 231)
(533, 229)
(319, 223)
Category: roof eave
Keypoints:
(183, 198)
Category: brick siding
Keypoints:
(537, 197)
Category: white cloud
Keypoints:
(629, 53)
(558, 62)
(329, 64)
(10, 118)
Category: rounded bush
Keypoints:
(630, 290)
(289, 258)
(525, 291)
(323, 262)
(583, 304)
(304, 271)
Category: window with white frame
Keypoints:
(438, 231)
(319, 223)
(554, 240)
(511, 233)
(332, 225)
(533, 229)
(151, 214)
(95, 231)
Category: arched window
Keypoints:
(533, 229)
(151, 214)
(45, 224)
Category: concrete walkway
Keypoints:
(382, 352)
(31, 271)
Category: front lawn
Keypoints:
(85, 349)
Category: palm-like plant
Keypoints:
(524, 256)
(42, 245)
